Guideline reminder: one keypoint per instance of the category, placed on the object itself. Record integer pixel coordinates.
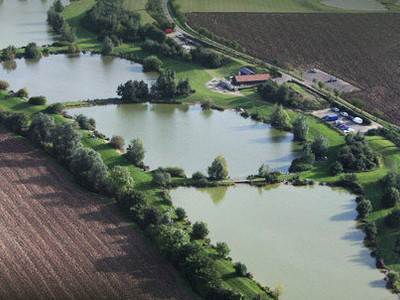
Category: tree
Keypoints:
(136, 151)
(207, 104)
(85, 123)
(170, 239)
(89, 169)
(264, 170)
(222, 249)
(118, 142)
(364, 207)
(218, 169)
(152, 64)
(58, 6)
(107, 47)
(200, 230)
(183, 89)
(335, 168)
(65, 141)
(9, 53)
(165, 86)
(40, 129)
(180, 213)
(4, 85)
(300, 129)
(391, 197)
(121, 181)
(32, 51)
(74, 48)
(240, 269)
(133, 91)
(393, 219)
(55, 108)
(39, 100)
(68, 34)
(280, 118)
(320, 146)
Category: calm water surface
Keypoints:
(24, 21)
(63, 78)
(187, 137)
(304, 238)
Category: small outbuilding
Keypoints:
(250, 79)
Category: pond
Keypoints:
(63, 78)
(304, 238)
(25, 22)
(187, 137)
(360, 5)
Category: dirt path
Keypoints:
(57, 242)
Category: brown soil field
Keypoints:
(57, 242)
(363, 49)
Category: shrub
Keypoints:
(335, 168)
(136, 151)
(117, 142)
(207, 104)
(180, 213)
(364, 207)
(9, 53)
(121, 181)
(107, 47)
(200, 230)
(391, 197)
(152, 216)
(85, 123)
(32, 51)
(55, 108)
(240, 269)
(22, 93)
(161, 179)
(320, 146)
(393, 219)
(272, 178)
(222, 249)
(198, 175)
(280, 118)
(152, 64)
(4, 85)
(40, 100)
(174, 171)
(40, 129)
(300, 129)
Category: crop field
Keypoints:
(289, 6)
(60, 243)
(363, 49)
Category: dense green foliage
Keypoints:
(357, 155)
(118, 142)
(121, 182)
(16, 122)
(319, 146)
(200, 230)
(222, 249)
(152, 64)
(38, 100)
(161, 178)
(218, 169)
(32, 51)
(22, 93)
(280, 118)
(4, 85)
(300, 129)
(364, 207)
(40, 129)
(107, 47)
(133, 91)
(9, 53)
(240, 269)
(208, 58)
(135, 151)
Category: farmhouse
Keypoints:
(250, 79)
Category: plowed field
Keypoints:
(363, 49)
(59, 243)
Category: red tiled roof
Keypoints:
(250, 78)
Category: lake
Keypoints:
(190, 138)
(25, 22)
(63, 78)
(304, 238)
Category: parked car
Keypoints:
(344, 114)
(169, 30)
(349, 130)
(313, 71)
(345, 127)
(333, 79)
(341, 126)
(335, 109)
(350, 117)
(329, 118)
(358, 120)
(338, 122)
(180, 35)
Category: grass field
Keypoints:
(140, 7)
(286, 6)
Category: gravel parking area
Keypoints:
(329, 80)
(350, 123)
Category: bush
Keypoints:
(300, 129)
(107, 47)
(136, 151)
(174, 171)
(222, 249)
(198, 175)
(320, 146)
(240, 269)
(391, 197)
(200, 230)
(180, 213)
(364, 207)
(152, 216)
(152, 64)
(4, 85)
(55, 108)
(32, 51)
(22, 93)
(16, 122)
(161, 179)
(393, 219)
(40, 100)
(117, 142)
(85, 123)
(9, 53)
(335, 168)
(280, 118)
(40, 129)
(121, 182)
(207, 104)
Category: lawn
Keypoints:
(285, 6)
